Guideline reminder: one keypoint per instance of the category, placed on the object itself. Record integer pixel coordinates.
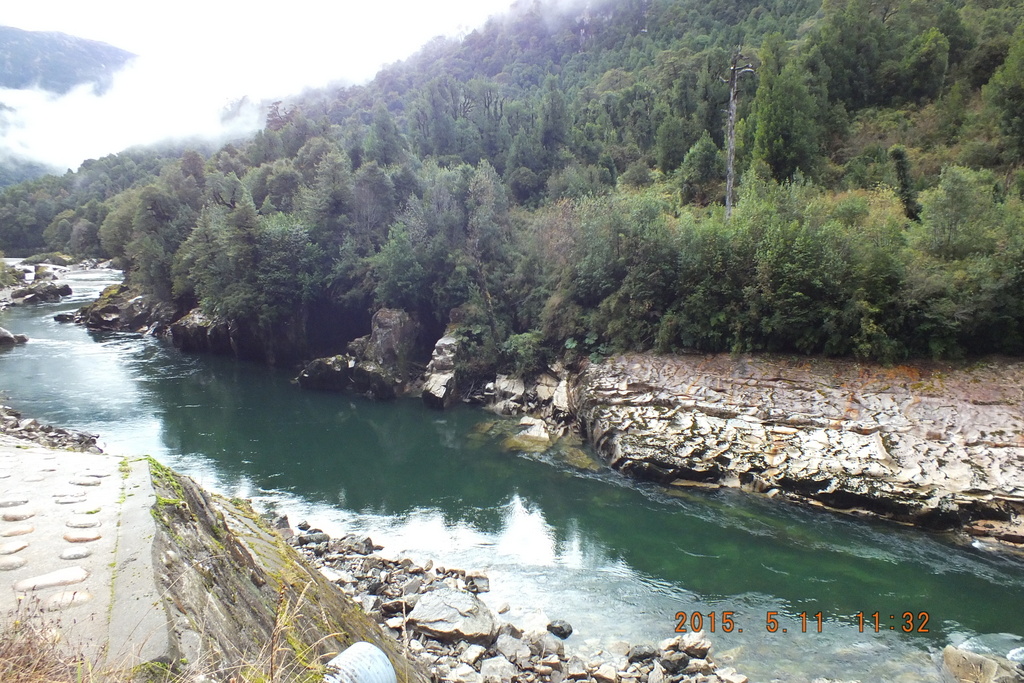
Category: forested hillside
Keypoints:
(554, 183)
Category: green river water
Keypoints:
(615, 558)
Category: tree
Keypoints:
(1005, 94)
(786, 133)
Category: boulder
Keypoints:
(562, 629)
(971, 667)
(451, 615)
(327, 374)
(498, 670)
(10, 339)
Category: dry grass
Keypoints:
(32, 650)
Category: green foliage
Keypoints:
(1005, 94)
(553, 187)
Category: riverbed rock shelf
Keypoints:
(938, 446)
(436, 614)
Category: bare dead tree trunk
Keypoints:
(735, 72)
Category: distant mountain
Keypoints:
(56, 61)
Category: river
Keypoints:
(615, 558)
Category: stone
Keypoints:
(472, 654)
(561, 628)
(576, 668)
(498, 670)
(729, 675)
(641, 653)
(513, 649)
(674, 662)
(13, 501)
(10, 339)
(313, 538)
(606, 673)
(695, 644)
(19, 516)
(10, 563)
(11, 547)
(66, 599)
(61, 577)
(463, 673)
(657, 674)
(75, 553)
(85, 481)
(450, 615)
(477, 583)
(545, 644)
(83, 522)
(970, 667)
(19, 530)
(82, 536)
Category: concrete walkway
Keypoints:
(76, 552)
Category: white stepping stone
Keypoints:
(66, 599)
(81, 536)
(61, 577)
(19, 530)
(10, 563)
(84, 522)
(11, 547)
(19, 516)
(12, 502)
(85, 481)
(76, 553)
(68, 499)
(33, 479)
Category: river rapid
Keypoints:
(615, 558)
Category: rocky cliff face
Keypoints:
(938, 446)
(237, 595)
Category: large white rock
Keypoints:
(450, 615)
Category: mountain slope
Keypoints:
(56, 61)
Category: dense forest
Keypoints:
(554, 184)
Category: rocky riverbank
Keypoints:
(13, 423)
(437, 617)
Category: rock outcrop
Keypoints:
(937, 446)
(40, 293)
(379, 365)
(439, 386)
(119, 309)
(197, 332)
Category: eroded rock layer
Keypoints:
(936, 445)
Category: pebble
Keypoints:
(20, 530)
(19, 516)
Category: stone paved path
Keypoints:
(75, 550)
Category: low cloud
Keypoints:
(200, 59)
(149, 102)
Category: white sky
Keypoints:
(196, 56)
